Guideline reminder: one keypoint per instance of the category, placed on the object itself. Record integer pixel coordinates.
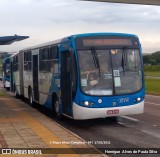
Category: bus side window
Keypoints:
(53, 52)
(44, 56)
(40, 60)
(54, 58)
(27, 60)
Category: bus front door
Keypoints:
(66, 89)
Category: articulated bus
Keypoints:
(6, 72)
(83, 76)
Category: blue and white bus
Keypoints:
(84, 76)
(6, 72)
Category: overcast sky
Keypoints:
(47, 20)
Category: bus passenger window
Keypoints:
(53, 52)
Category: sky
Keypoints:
(48, 20)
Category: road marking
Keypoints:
(155, 134)
(152, 103)
(132, 119)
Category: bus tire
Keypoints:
(56, 106)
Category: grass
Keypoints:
(152, 73)
(151, 67)
(152, 86)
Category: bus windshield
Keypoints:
(118, 72)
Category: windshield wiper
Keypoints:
(123, 63)
(95, 58)
(135, 61)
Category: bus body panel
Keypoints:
(27, 77)
(110, 101)
(47, 82)
(16, 79)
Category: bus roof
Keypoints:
(65, 39)
(104, 33)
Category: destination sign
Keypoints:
(107, 42)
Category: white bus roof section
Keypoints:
(145, 2)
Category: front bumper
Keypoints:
(80, 112)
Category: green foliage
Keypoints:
(152, 59)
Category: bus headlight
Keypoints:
(138, 99)
(87, 104)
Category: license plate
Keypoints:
(112, 111)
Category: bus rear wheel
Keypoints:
(56, 107)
